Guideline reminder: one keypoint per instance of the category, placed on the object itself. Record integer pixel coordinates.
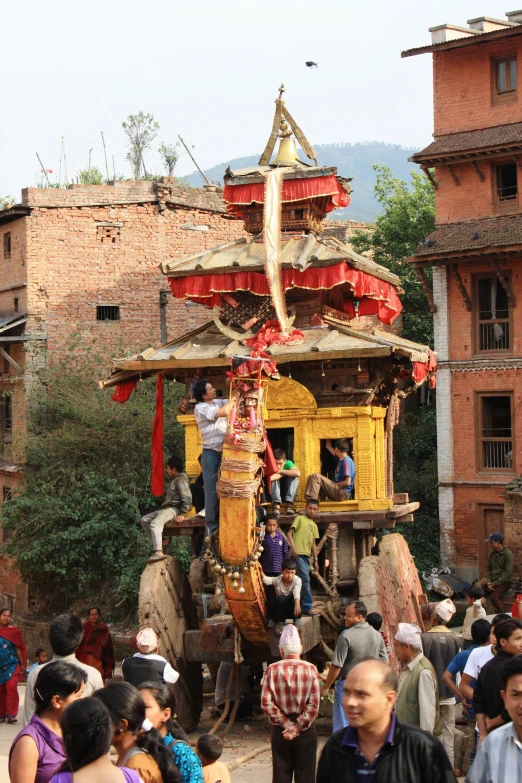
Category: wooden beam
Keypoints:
(11, 361)
(426, 288)
(456, 180)
(430, 176)
(462, 289)
(504, 283)
(480, 173)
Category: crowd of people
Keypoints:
(385, 726)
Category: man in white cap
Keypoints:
(146, 665)
(290, 699)
(440, 646)
(418, 698)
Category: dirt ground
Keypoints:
(240, 740)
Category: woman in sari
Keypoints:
(13, 660)
(96, 648)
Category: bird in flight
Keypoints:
(311, 64)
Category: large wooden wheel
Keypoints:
(165, 604)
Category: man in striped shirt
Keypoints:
(290, 699)
(499, 758)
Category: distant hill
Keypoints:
(352, 160)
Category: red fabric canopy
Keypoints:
(423, 370)
(293, 190)
(376, 297)
(123, 391)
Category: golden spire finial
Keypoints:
(282, 89)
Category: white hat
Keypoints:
(290, 643)
(147, 641)
(446, 609)
(408, 633)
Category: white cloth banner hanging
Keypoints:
(272, 237)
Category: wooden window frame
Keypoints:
(507, 96)
(475, 316)
(480, 468)
(7, 244)
(503, 206)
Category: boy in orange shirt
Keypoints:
(209, 748)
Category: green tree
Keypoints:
(169, 155)
(408, 216)
(141, 130)
(6, 202)
(90, 176)
(74, 530)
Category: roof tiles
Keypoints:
(505, 230)
(476, 140)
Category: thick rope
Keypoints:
(238, 441)
(240, 465)
(226, 708)
(237, 696)
(237, 488)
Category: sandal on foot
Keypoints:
(290, 509)
(279, 628)
(11, 720)
(270, 624)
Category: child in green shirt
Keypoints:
(284, 482)
(301, 538)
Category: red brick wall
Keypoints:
(462, 88)
(71, 271)
(472, 199)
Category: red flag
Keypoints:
(124, 390)
(157, 484)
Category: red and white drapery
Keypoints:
(375, 296)
(239, 196)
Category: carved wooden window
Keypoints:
(495, 443)
(507, 184)
(492, 315)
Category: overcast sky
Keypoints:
(209, 70)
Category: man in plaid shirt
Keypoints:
(290, 699)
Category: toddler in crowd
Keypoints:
(209, 748)
(475, 611)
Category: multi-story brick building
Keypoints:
(82, 265)
(475, 165)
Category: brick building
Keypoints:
(475, 166)
(82, 264)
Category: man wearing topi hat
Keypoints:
(440, 646)
(146, 665)
(290, 700)
(418, 698)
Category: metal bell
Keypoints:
(208, 539)
(241, 590)
(235, 575)
(217, 591)
(217, 568)
(212, 561)
(223, 570)
(235, 584)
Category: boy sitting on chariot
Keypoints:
(284, 603)
(284, 482)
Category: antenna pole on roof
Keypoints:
(206, 179)
(43, 169)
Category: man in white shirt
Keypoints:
(65, 635)
(147, 665)
(211, 417)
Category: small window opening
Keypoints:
(493, 316)
(15, 304)
(495, 433)
(7, 244)
(108, 313)
(7, 413)
(506, 76)
(507, 186)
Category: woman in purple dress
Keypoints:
(87, 734)
(38, 752)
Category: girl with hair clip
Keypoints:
(160, 708)
(87, 736)
(137, 743)
(38, 751)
